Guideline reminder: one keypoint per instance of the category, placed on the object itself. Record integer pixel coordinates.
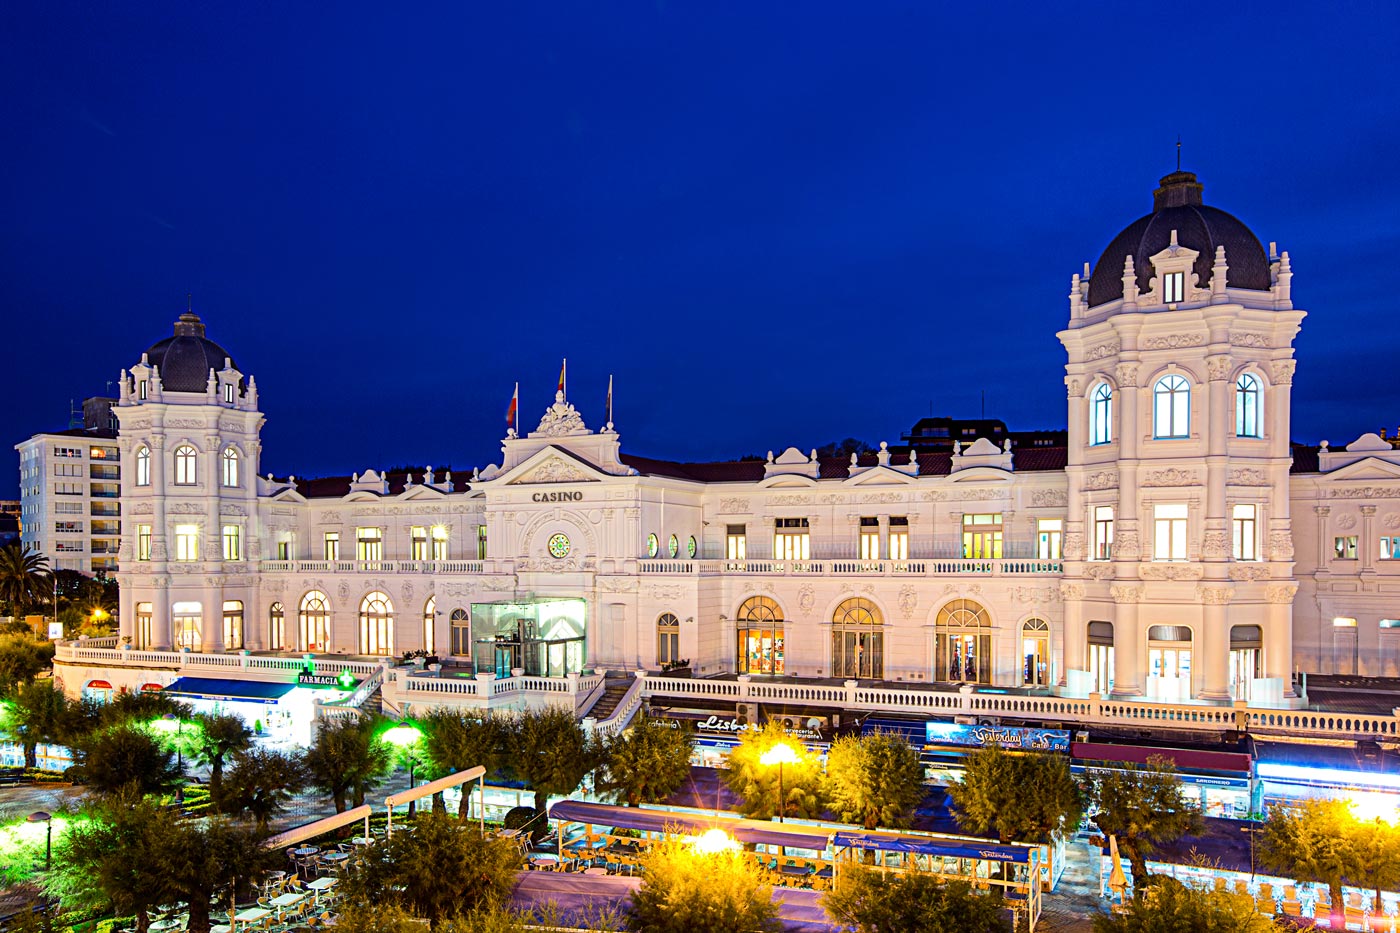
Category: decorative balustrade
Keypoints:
(840, 567)
(373, 566)
(80, 653)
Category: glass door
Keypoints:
(1244, 667)
(1170, 670)
(1101, 668)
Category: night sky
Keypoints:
(777, 224)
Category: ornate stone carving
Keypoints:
(343, 590)
(141, 508)
(734, 504)
(1258, 341)
(1099, 570)
(933, 495)
(1126, 374)
(1074, 545)
(1215, 544)
(1126, 594)
(834, 498)
(1035, 594)
(886, 497)
(184, 423)
(561, 420)
(1048, 498)
(1280, 545)
(982, 495)
(274, 587)
(791, 499)
(1164, 571)
(1248, 477)
(1072, 388)
(1126, 545)
(1282, 371)
(1368, 510)
(955, 589)
(1218, 368)
(908, 601)
(1069, 591)
(1215, 595)
(1171, 476)
(1282, 592)
(666, 593)
(1346, 522)
(498, 584)
(1391, 520)
(407, 590)
(1101, 351)
(1364, 492)
(1174, 342)
(617, 584)
(228, 509)
(186, 508)
(555, 470)
(1104, 479)
(1248, 572)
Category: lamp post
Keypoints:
(780, 754)
(405, 736)
(39, 816)
(169, 720)
(1252, 830)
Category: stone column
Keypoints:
(1278, 635)
(212, 615)
(162, 625)
(1214, 663)
(1074, 635)
(1128, 648)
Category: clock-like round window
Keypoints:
(559, 546)
(673, 547)
(652, 545)
(690, 547)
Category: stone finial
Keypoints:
(1007, 446)
(1076, 297)
(883, 457)
(913, 457)
(813, 455)
(1130, 286)
(1273, 251)
(770, 456)
(1087, 273)
(428, 476)
(211, 385)
(855, 458)
(354, 478)
(1218, 274)
(1284, 288)
(407, 480)
(126, 389)
(1323, 446)
(476, 474)
(957, 448)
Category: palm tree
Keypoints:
(39, 712)
(347, 758)
(24, 577)
(454, 740)
(261, 784)
(216, 737)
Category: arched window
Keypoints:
(276, 627)
(185, 462)
(668, 638)
(1035, 653)
(315, 620)
(963, 643)
(652, 545)
(1101, 414)
(143, 466)
(857, 640)
(760, 623)
(377, 624)
(461, 633)
(1169, 662)
(429, 625)
(1247, 407)
(1171, 407)
(230, 467)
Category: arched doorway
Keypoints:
(761, 641)
(1169, 662)
(858, 640)
(963, 643)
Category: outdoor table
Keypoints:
(291, 898)
(825, 872)
(361, 840)
(304, 851)
(321, 884)
(336, 857)
(544, 860)
(250, 915)
(799, 870)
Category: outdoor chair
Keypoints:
(1292, 907)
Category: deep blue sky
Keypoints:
(775, 223)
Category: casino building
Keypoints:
(1178, 552)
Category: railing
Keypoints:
(1093, 710)
(85, 653)
(876, 568)
(622, 715)
(372, 566)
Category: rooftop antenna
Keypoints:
(1178, 152)
(75, 415)
(189, 296)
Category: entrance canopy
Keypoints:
(242, 691)
(923, 845)
(760, 832)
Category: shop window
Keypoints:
(792, 539)
(1049, 538)
(963, 643)
(760, 628)
(461, 633)
(1169, 662)
(1101, 414)
(1171, 407)
(734, 540)
(1101, 657)
(1247, 408)
(314, 622)
(377, 624)
(276, 627)
(858, 640)
(185, 465)
(143, 466)
(430, 625)
(982, 536)
(233, 624)
(1035, 653)
(668, 639)
(1244, 532)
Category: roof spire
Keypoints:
(1178, 152)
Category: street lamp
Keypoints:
(1253, 830)
(713, 842)
(780, 754)
(405, 736)
(39, 816)
(172, 723)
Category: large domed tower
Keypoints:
(1179, 575)
(189, 438)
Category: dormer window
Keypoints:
(1174, 287)
(228, 392)
(141, 389)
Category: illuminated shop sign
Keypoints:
(716, 725)
(1040, 740)
(342, 681)
(564, 496)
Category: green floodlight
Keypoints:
(404, 735)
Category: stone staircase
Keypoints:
(615, 686)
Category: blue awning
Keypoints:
(989, 851)
(243, 691)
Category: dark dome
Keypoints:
(1177, 206)
(186, 358)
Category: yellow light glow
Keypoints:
(780, 754)
(1372, 806)
(713, 842)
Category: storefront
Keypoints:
(1369, 781)
(282, 713)
(715, 733)
(1220, 783)
(542, 637)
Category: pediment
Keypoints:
(361, 495)
(421, 492)
(553, 465)
(880, 476)
(287, 494)
(787, 480)
(1367, 469)
(981, 474)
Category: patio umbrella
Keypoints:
(1117, 878)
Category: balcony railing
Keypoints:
(874, 568)
(371, 566)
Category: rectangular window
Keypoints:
(899, 537)
(232, 548)
(480, 542)
(982, 536)
(1174, 287)
(71, 528)
(1103, 532)
(869, 538)
(332, 545)
(439, 543)
(418, 543)
(792, 539)
(1242, 527)
(1170, 540)
(369, 544)
(143, 542)
(284, 552)
(1344, 547)
(1390, 548)
(734, 538)
(1049, 538)
(141, 390)
(186, 542)
(67, 452)
(228, 392)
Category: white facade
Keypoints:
(70, 489)
(1168, 553)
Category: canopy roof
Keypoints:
(926, 845)
(213, 688)
(642, 819)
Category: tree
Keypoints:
(107, 859)
(215, 738)
(844, 448)
(756, 784)
(1144, 808)
(216, 862)
(346, 758)
(1020, 798)
(1377, 856)
(124, 757)
(455, 740)
(437, 867)
(646, 764)
(550, 752)
(1314, 840)
(38, 712)
(687, 891)
(911, 902)
(143, 707)
(24, 577)
(22, 658)
(261, 784)
(1171, 907)
(875, 780)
